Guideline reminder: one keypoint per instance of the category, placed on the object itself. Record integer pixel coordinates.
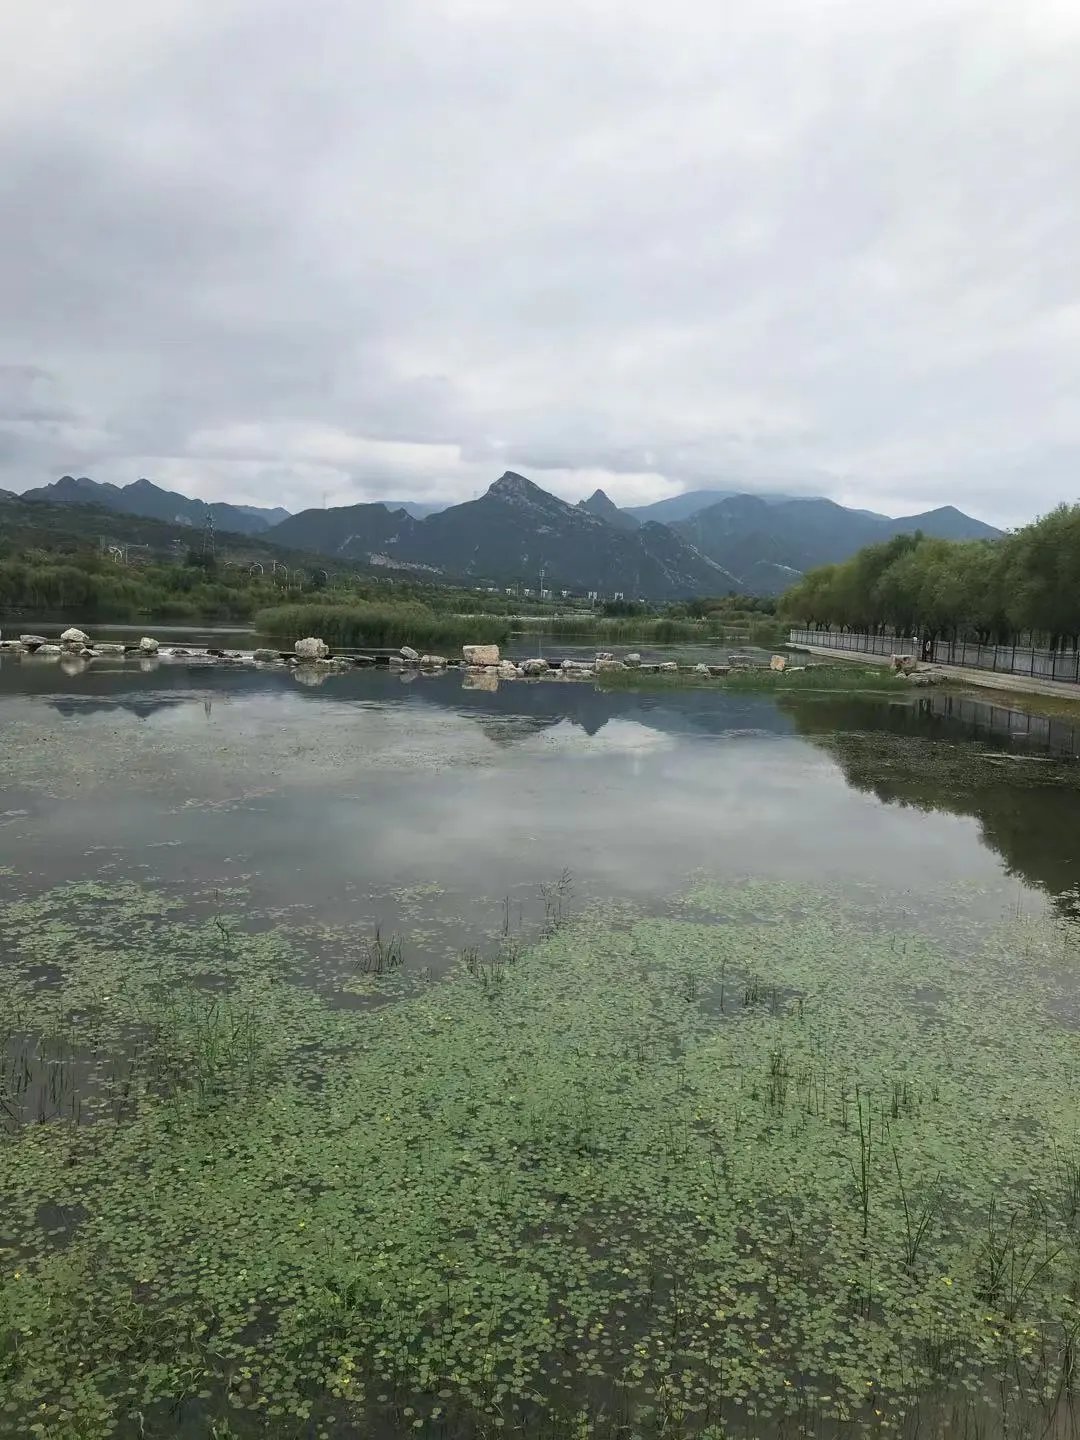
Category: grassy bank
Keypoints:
(652, 629)
(380, 625)
(618, 629)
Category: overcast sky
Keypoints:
(270, 252)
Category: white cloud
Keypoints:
(274, 252)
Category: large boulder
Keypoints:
(30, 641)
(311, 648)
(110, 647)
(148, 645)
(669, 667)
(536, 666)
(75, 637)
(49, 649)
(262, 654)
(408, 653)
(433, 662)
(632, 661)
(480, 654)
(778, 662)
(605, 662)
(507, 670)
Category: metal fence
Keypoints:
(1060, 665)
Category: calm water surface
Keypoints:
(336, 794)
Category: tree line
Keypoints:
(992, 591)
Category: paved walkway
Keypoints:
(984, 679)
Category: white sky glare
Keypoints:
(266, 252)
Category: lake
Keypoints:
(385, 1056)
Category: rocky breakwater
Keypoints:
(311, 660)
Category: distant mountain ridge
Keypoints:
(519, 534)
(516, 534)
(143, 497)
(770, 544)
(690, 502)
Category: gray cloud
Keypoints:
(270, 253)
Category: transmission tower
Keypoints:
(208, 544)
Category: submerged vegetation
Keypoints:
(851, 679)
(761, 1165)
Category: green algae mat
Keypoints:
(773, 1162)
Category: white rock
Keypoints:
(408, 653)
(148, 645)
(74, 637)
(33, 639)
(604, 655)
(265, 654)
(481, 654)
(311, 648)
(535, 666)
(633, 660)
(605, 662)
(111, 647)
(508, 670)
(701, 669)
(778, 662)
(433, 662)
(48, 649)
(669, 667)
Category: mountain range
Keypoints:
(518, 534)
(143, 497)
(515, 534)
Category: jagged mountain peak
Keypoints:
(604, 508)
(510, 483)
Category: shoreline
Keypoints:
(960, 674)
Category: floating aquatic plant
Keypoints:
(568, 1191)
